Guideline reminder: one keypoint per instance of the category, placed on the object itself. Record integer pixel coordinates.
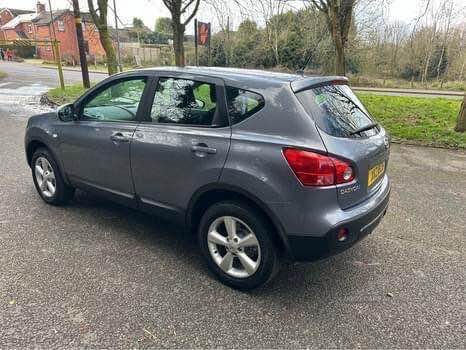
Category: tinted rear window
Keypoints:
(242, 104)
(336, 110)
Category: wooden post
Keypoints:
(195, 42)
(56, 53)
(56, 49)
(208, 48)
(227, 48)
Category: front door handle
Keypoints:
(119, 138)
(203, 148)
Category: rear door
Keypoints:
(183, 142)
(341, 119)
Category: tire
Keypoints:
(214, 248)
(62, 193)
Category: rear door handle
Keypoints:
(203, 148)
(119, 138)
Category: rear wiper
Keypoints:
(364, 128)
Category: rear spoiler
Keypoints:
(312, 82)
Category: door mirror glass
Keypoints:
(66, 112)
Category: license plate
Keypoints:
(374, 173)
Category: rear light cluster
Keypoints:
(314, 169)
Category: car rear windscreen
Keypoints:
(337, 111)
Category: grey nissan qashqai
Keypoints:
(260, 165)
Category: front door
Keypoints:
(182, 145)
(96, 147)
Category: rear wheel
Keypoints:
(237, 244)
(48, 179)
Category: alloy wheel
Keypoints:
(45, 177)
(234, 247)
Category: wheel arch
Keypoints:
(31, 147)
(210, 194)
(35, 144)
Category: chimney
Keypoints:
(40, 8)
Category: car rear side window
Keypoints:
(185, 102)
(242, 104)
(337, 111)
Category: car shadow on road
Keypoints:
(328, 279)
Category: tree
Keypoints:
(138, 23)
(461, 121)
(99, 16)
(179, 8)
(338, 14)
(164, 25)
(250, 49)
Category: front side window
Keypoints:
(183, 101)
(118, 102)
(242, 104)
(337, 111)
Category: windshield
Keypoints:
(337, 111)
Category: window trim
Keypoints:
(79, 104)
(220, 95)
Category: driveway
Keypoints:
(99, 275)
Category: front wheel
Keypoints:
(48, 179)
(237, 244)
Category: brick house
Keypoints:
(38, 26)
(20, 27)
(7, 14)
(65, 30)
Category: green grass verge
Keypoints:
(428, 121)
(70, 94)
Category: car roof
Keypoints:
(249, 78)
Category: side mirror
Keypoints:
(66, 113)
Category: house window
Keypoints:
(29, 28)
(48, 48)
(61, 26)
(83, 25)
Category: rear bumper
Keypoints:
(359, 225)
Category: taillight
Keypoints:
(314, 169)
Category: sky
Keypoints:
(149, 10)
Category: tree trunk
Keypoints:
(340, 67)
(338, 25)
(107, 44)
(461, 122)
(100, 21)
(178, 42)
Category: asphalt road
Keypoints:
(23, 75)
(94, 274)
